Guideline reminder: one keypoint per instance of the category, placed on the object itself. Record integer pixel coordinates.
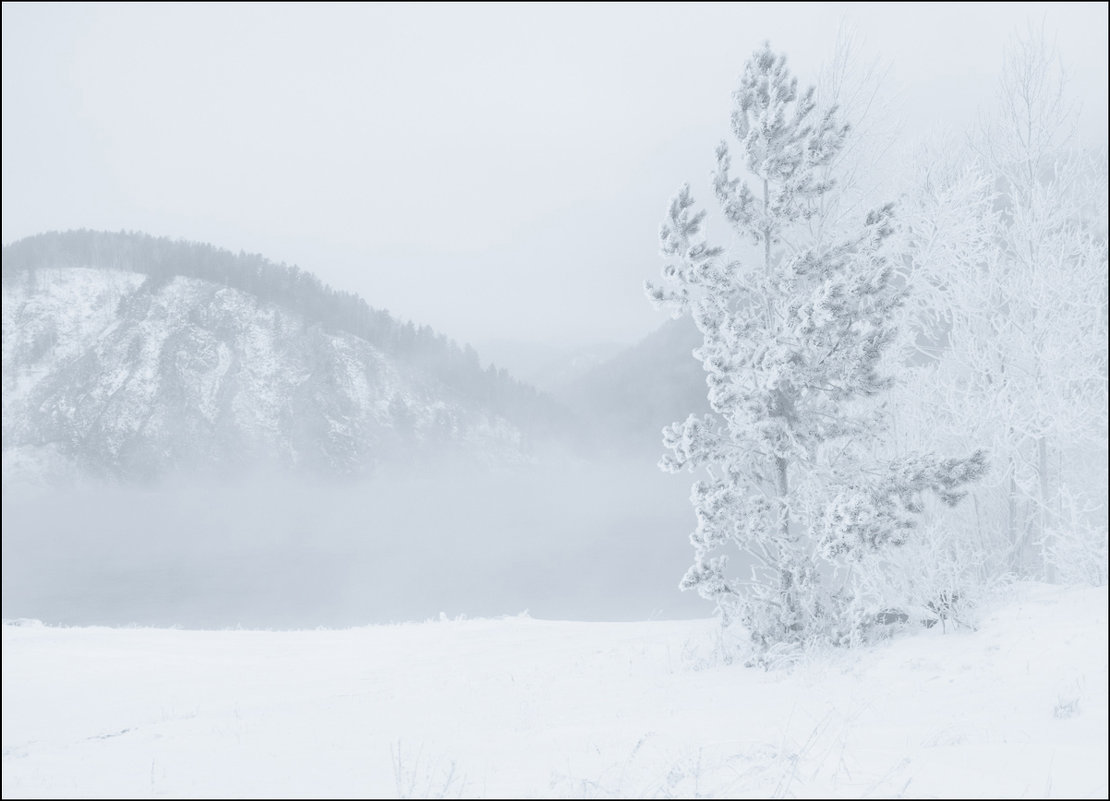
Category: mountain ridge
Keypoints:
(124, 358)
(162, 258)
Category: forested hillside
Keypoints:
(160, 259)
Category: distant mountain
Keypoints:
(632, 396)
(550, 368)
(130, 357)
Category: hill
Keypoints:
(629, 398)
(130, 357)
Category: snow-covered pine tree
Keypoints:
(792, 344)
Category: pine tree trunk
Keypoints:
(788, 581)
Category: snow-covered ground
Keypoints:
(523, 707)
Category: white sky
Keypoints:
(498, 172)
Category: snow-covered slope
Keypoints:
(111, 373)
(630, 397)
(526, 708)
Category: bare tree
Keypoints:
(1008, 248)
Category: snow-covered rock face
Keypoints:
(111, 374)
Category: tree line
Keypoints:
(162, 258)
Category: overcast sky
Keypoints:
(498, 172)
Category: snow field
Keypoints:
(531, 708)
